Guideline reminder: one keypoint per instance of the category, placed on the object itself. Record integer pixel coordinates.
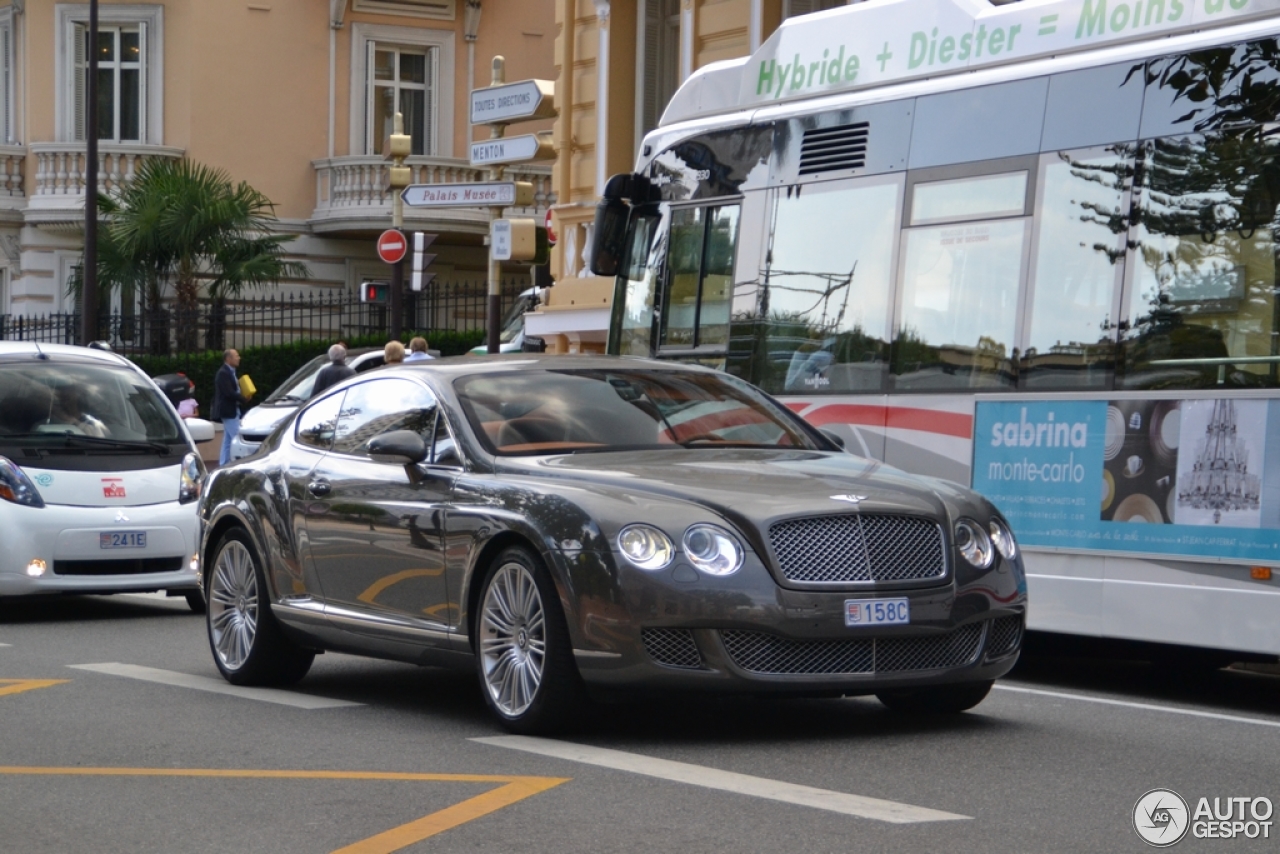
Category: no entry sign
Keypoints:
(392, 246)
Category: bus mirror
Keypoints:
(609, 237)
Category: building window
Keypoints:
(121, 82)
(402, 69)
(130, 72)
(401, 79)
(795, 8)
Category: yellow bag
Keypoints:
(247, 388)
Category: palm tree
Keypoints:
(181, 224)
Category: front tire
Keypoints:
(248, 644)
(523, 654)
(941, 699)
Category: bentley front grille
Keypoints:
(858, 548)
(758, 652)
(1004, 636)
(672, 647)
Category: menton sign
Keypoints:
(885, 41)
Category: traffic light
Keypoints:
(375, 292)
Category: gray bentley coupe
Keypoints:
(574, 525)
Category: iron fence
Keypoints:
(258, 321)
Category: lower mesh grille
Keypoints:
(758, 652)
(127, 566)
(672, 647)
(1004, 636)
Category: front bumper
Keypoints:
(679, 629)
(68, 541)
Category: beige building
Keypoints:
(293, 96)
(618, 64)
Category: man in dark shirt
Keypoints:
(227, 402)
(335, 372)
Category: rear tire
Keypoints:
(941, 699)
(523, 654)
(248, 644)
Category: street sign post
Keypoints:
(513, 149)
(506, 193)
(392, 246)
(512, 102)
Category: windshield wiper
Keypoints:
(290, 398)
(126, 444)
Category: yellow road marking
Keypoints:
(371, 592)
(17, 686)
(513, 789)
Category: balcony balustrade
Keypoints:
(59, 183)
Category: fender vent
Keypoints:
(839, 147)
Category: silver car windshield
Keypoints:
(542, 412)
(96, 406)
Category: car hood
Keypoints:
(106, 488)
(760, 484)
(261, 420)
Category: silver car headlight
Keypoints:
(192, 479)
(974, 544)
(1003, 538)
(645, 546)
(712, 550)
(15, 486)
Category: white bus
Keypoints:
(1031, 248)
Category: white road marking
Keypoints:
(213, 686)
(727, 781)
(6, 644)
(1150, 707)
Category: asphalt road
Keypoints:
(117, 734)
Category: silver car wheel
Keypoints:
(233, 605)
(513, 640)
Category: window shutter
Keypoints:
(429, 103)
(370, 143)
(143, 70)
(80, 81)
(7, 81)
(652, 74)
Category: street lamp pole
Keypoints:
(89, 268)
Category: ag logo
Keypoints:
(1161, 818)
(44, 479)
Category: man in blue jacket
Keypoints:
(227, 402)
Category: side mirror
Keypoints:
(834, 437)
(609, 237)
(200, 430)
(399, 446)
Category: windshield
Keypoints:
(513, 323)
(44, 402)
(541, 412)
(298, 387)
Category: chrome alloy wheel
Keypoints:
(513, 638)
(233, 605)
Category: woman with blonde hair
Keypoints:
(393, 353)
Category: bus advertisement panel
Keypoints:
(1166, 477)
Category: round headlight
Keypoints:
(712, 550)
(974, 544)
(1003, 538)
(645, 546)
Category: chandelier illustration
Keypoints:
(1219, 479)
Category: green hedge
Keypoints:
(270, 366)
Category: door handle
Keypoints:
(319, 488)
